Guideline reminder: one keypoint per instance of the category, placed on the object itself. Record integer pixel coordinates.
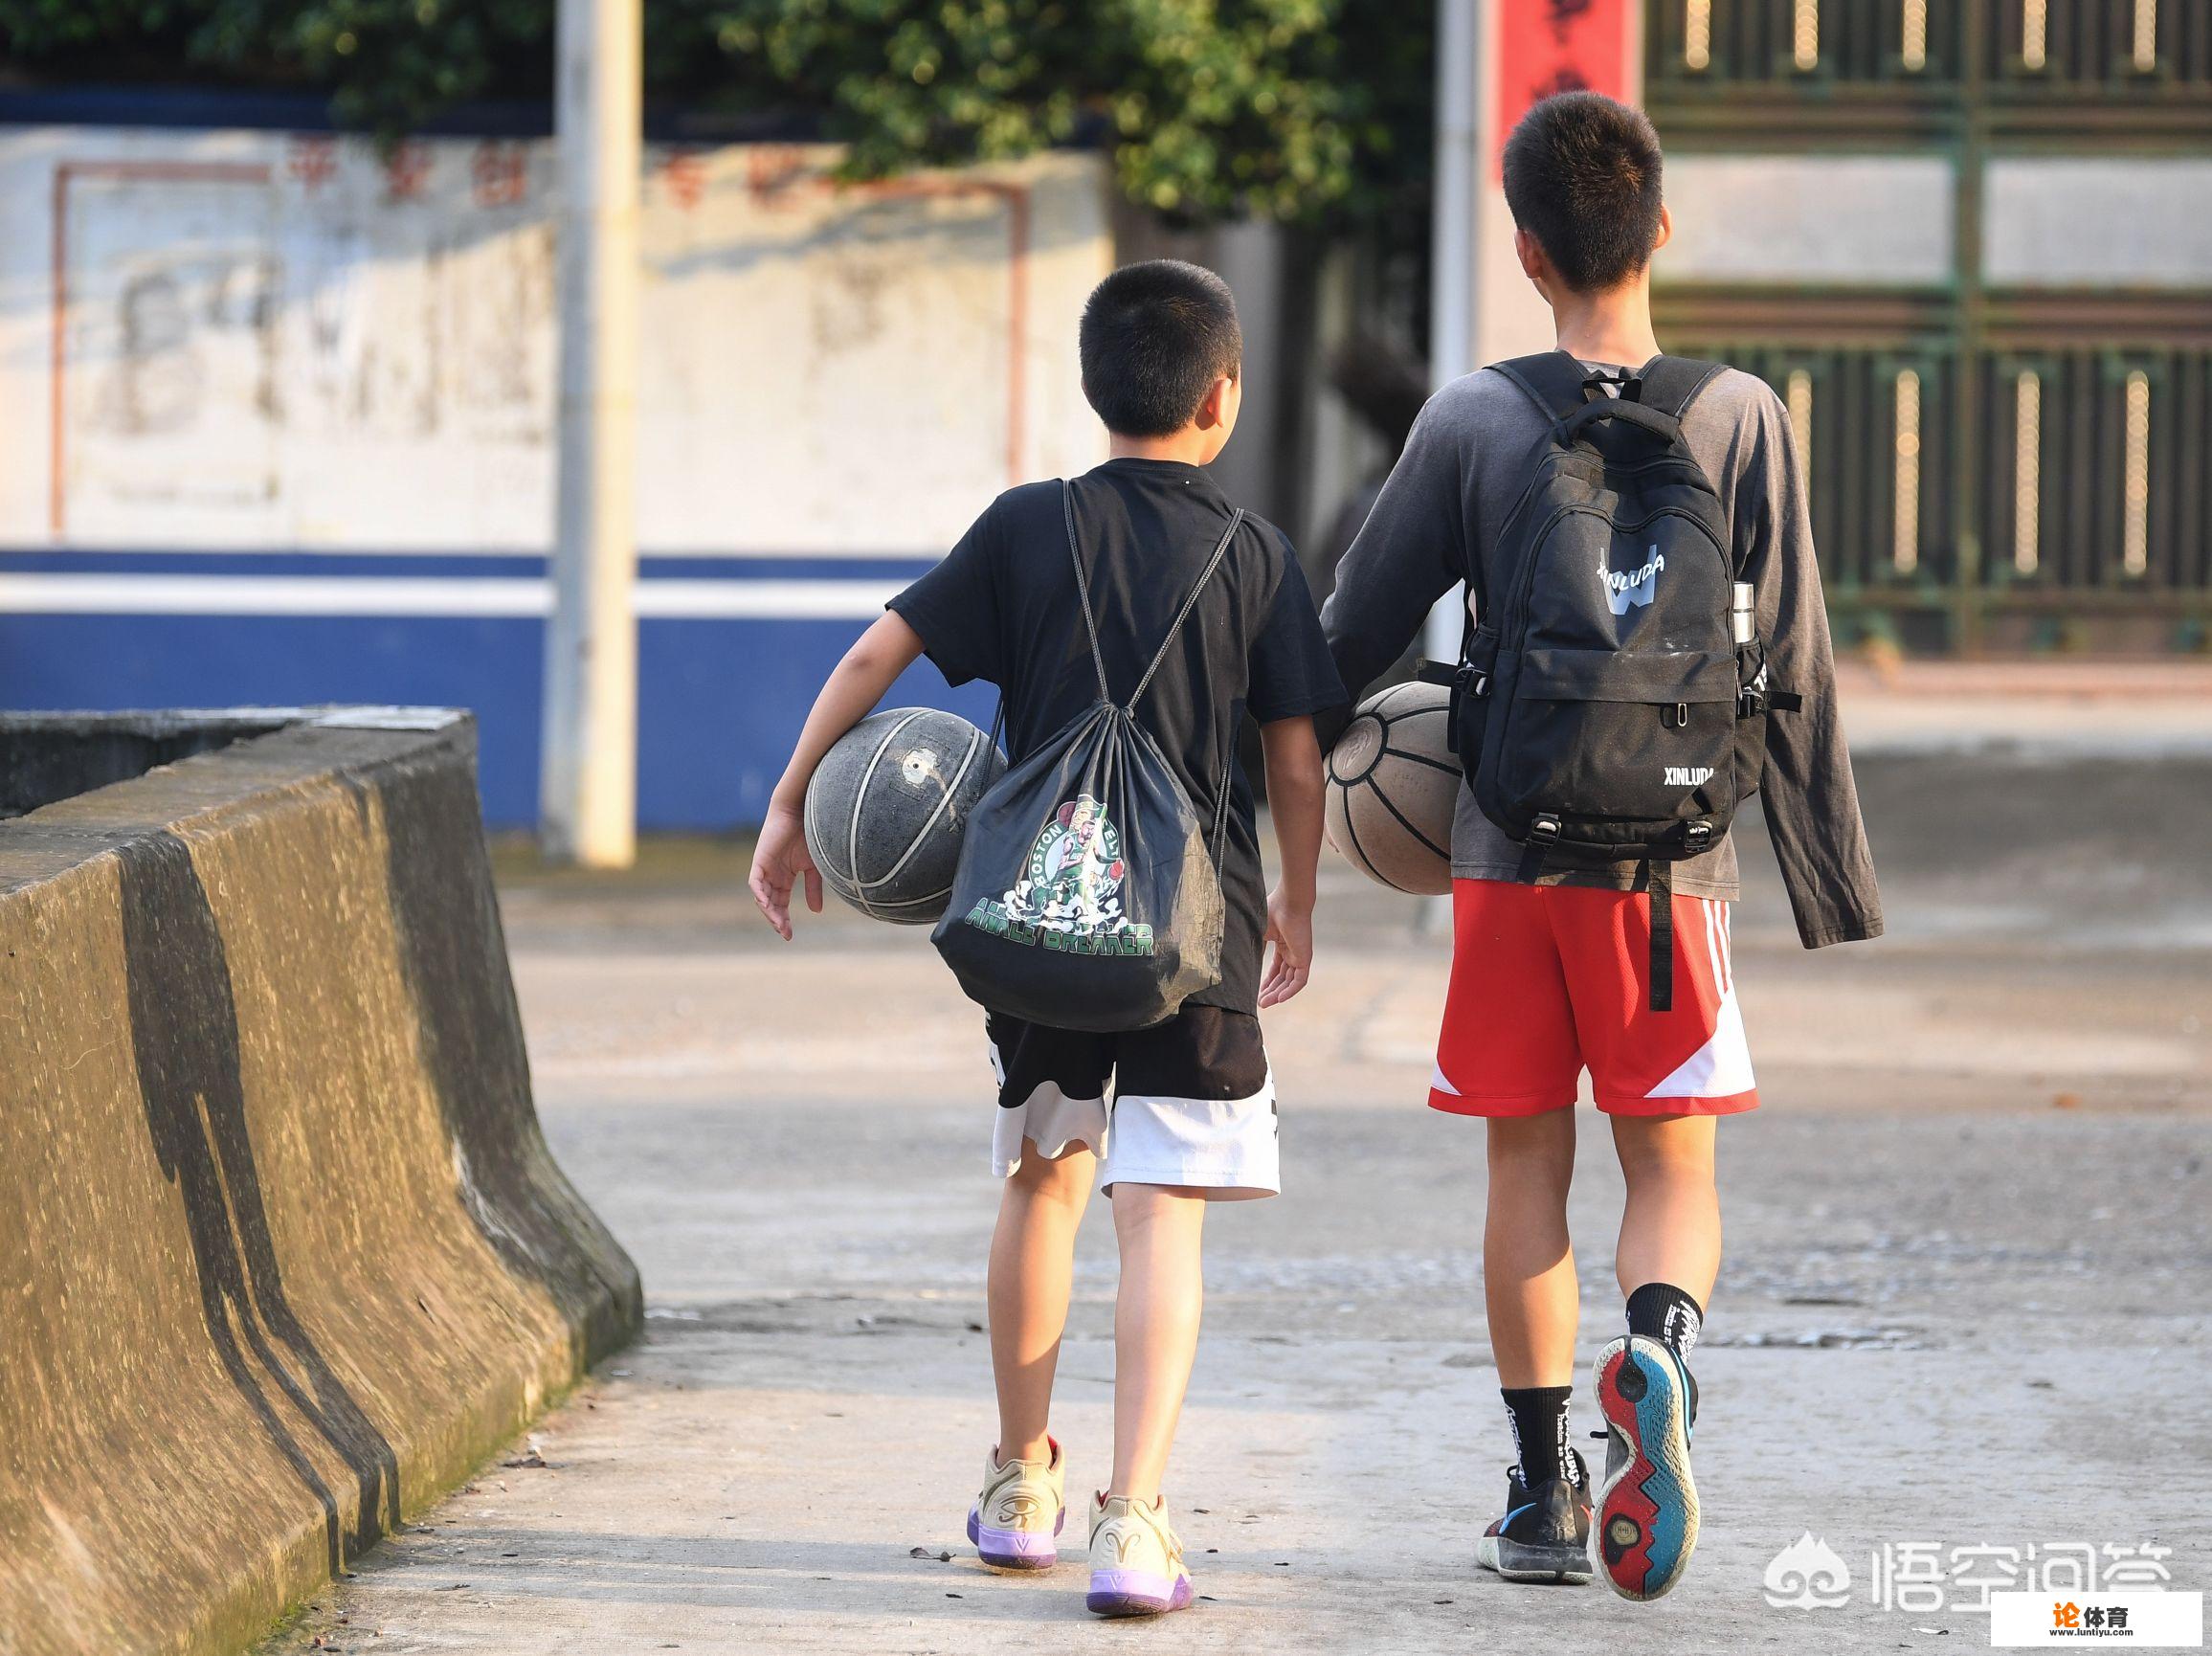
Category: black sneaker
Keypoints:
(1545, 1534)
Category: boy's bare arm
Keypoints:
(849, 695)
(1294, 785)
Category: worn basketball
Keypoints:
(1393, 782)
(888, 805)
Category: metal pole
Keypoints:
(1966, 353)
(1452, 249)
(588, 777)
(1452, 292)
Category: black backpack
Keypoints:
(1611, 700)
(1086, 897)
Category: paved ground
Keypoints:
(1965, 1300)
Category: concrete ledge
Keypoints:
(287, 1254)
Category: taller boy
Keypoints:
(1550, 959)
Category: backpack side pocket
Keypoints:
(1752, 712)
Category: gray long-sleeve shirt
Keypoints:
(1467, 462)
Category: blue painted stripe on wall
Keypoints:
(720, 701)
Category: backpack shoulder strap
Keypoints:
(1082, 588)
(1175, 628)
(1671, 384)
(1550, 379)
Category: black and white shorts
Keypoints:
(1193, 1101)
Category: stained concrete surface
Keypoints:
(286, 1254)
(1964, 1303)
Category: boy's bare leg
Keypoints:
(1032, 1266)
(1528, 1262)
(1647, 1518)
(1155, 1326)
(1670, 1228)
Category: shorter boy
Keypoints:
(1192, 1116)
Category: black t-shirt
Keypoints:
(1003, 607)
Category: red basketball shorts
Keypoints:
(1549, 980)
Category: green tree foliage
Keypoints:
(1303, 110)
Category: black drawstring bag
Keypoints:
(1086, 896)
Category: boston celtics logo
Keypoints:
(1069, 896)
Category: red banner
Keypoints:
(1550, 46)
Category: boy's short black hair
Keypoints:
(1582, 177)
(1154, 338)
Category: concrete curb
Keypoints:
(291, 1256)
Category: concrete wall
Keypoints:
(291, 1256)
(286, 413)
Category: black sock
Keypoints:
(1539, 1419)
(1662, 1311)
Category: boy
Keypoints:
(1550, 975)
(1192, 1113)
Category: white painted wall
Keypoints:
(1884, 221)
(2134, 221)
(277, 341)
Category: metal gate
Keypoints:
(1989, 465)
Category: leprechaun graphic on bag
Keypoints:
(1069, 895)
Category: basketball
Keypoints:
(1393, 782)
(888, 805)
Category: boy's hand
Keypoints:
(885, 651)
(778, 860)
(1294, 791)
(1290, 959)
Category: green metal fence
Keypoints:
(1988, 466)
(2093, 495)
(2132, 54)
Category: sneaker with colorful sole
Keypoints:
(1646, 1526)
(1017, 1518)
(1136, 1559)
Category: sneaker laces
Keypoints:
(1577, 1475)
